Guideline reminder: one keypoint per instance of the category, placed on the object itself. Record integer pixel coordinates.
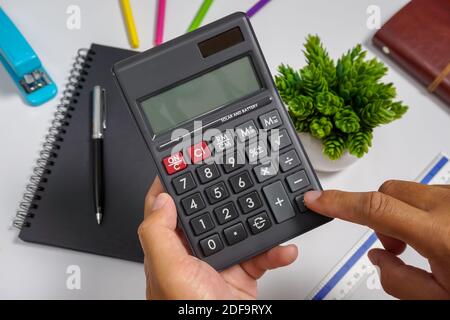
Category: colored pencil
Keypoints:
(256, 7)
(129, 22)
(160, 22)
(201, 13)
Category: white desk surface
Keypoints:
(400, 150)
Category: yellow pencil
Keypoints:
(129, 22)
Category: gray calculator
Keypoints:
(222, 140)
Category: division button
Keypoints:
(289, 160)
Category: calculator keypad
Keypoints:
(226, 213)
(241, 182)
(279, 201)
(250, 202)
(208, 173)
(259, 223)
(246, 131)
(235, 195)
(217, 193)
(297, 181)
(223, 141)
(174, 163)
(199, 152)
(265, 171)
(270, 120)
(233, 161)
(202, 224)
(184, 183)
(256, 151)
(193, 203)
(279, 140)
(289, 160)
(211, 245)
(235, 234)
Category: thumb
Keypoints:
(159, 240)
(404, 281)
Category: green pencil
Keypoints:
(201, 13)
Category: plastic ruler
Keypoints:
(354, 276)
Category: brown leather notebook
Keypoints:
(418, 38)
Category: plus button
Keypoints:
(279, 202)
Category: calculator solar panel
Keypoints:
(222, 140)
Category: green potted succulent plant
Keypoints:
(337, 105)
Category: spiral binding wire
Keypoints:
(55, 134)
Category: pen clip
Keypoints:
(103, 102)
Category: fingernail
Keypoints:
(371, 257)
(160, 201)
(312, 196)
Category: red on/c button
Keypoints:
(199, 152)
(174, 163)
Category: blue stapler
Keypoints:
(23, 64)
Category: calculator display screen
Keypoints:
(200, 95)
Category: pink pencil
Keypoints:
(160, 22)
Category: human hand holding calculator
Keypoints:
(223, 143)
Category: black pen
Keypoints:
(98, 128)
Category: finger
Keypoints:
(404, 281)
(415, 194)
(392, 245)
(376, 210)
(158, 235)
(274, 258)
(443, 186)
(155, 189)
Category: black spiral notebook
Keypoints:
(58, 207)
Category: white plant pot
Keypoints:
(321, 162)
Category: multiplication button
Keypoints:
(279, 201)
(265, 171)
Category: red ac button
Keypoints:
(199, 152)
(174, 163)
